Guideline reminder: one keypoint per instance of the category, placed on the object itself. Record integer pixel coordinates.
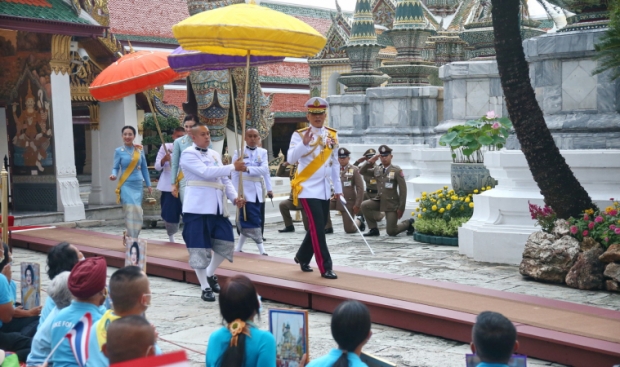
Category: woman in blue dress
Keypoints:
(130, 160)
(351, 331)
(241, 343)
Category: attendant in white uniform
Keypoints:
(171, 206)
(176, 174)
(315, 149)
(205, 215)
(255, 159)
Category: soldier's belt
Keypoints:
(214, 185)
(370, 191)
(258, 179)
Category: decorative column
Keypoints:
(409, 35)
(362, 49)
(113, 116)
(67, 186)
(315, 80)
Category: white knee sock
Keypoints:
(171, 238)
(261, 248)
(202, 278)
(240, 243)
(216, 260)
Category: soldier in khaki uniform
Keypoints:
(352, 190)
(391, 195)
(286, 206)
(369, 178)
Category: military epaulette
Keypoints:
(331, 129)
(302, 129)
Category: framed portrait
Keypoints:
(516, 360)
(31, 285)
(374, 361)
(290, 329)
(135, 254)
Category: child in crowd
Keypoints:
(494, 339)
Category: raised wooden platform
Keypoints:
(558, 331)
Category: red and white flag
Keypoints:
(174, 359)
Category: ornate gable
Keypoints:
(336, 40)
(383, 12)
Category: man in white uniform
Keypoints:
(171, 206)
(205, 215)
(315, 150)
(255, 159)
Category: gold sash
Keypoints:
(132, 165)
(310, 170)
(102, 327)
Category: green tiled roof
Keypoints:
(283, 80)
(59, 12)
(300, 10)
(151, 39)
(288, 114)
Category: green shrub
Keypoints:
(151, 137)
(439, 227)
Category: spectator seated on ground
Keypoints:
(58, 291)
(241, 342)
(130, 337)
(494, 339)
(87, 285)
(10, 341)
(351, 330)
(61, 257)
(24, 321)
(130, 292)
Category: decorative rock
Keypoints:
(561, 228)
(587, 273)
(612, 254)
(613, 286)
(547, 258)
(613, 271)
(588, 243)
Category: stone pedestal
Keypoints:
(113, 116)
(434, 167)
(349, 115)
(402, 115)
(501, 223)
(67, 186)
(580, 109)
(471, 89)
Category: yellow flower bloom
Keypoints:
(417, 210)
(483, 189)
(423, 193)
(419, 215)
(417, 200)
(608, 209)
(440, 195)
(589, 211)
(476, 191)
(442, 210)
(424, 209)
(467, 200)
(448, 206)
(488, 187)
(434, 207)
(471, 205)
(451, 192)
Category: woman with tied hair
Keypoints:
(351, 331)
(58, 291)
(241, 343)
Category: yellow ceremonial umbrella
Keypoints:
(248, 30)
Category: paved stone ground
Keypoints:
(182, 317)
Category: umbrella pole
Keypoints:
(237, 146)
(244, 117)
(161, 136)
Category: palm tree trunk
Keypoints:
(556, 181)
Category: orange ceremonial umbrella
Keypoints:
(134, 73)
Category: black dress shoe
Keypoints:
(264, 239)
(304, 267)
(207, 295)
(362, 224)
(265, 254)
(287, 229)
(329, 230)
(329, 274)
(372, 233)
(411, 229)
(213, 283)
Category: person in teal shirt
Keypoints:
(350, 327)
(87, 284)
(252, 347)
(178, 188)
(494, 339)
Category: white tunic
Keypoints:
(165, 179)
(318, 186)
(205, 166)
(256, 161)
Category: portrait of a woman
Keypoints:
(134, 254)
(30, 292)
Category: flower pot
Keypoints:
(466, 177)
(436, 240)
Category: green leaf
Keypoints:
(447, 138)
(485, 140)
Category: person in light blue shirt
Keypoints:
(241, 343)
(87, 285)
(351, 330)
(494, 339)
(178, 186)
(58, 291)
(130, 195)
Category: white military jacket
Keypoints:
(205, 166)
(164, 183)
(319, 185)
(256, 161)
